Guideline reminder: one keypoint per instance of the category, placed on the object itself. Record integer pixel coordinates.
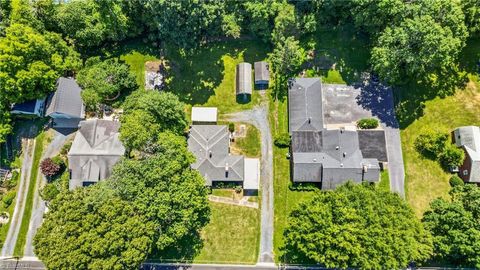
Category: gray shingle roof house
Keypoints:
(262, 74)
(95, 150)
(243, 82)
(468, 137)
(211, 146)
(65, 105)
(326, 156)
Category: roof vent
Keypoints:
(210, 154)
(365, 168)
(226, 167)
(337, 147)
(309, 120)
(341, 165)
(314, 160)
(344, 154)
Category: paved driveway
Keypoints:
(259, 118)
(348, 104)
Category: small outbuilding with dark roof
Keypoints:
(33, 107)
(65, 105)
(243, 82)
(262, 75)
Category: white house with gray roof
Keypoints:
(95, 150)
(65, 105)
(468, 138)
(329, 157)
(211, 146)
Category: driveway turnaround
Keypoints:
(259, 118)
(13, 230)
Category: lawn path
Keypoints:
(259, 118)
(11, 240)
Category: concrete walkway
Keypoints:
(396, 168)
(14, 229)
(243, 202)
(39, 205)
(259, 118)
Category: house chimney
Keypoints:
(226, 170)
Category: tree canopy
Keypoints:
(355, 226)
(104, 82)
(149, 205)
(455, 226)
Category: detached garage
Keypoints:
(243, 81)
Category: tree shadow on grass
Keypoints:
(195, 76)
(184, 250)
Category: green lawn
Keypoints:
(285, 200)
(232, 236)
(207, 76)
(425, 179)
(137, 60)
(250, 145)
(384, 181)
(20, 244)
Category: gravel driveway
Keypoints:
(259, 118)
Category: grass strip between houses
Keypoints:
(22, 235)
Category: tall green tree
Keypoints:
(355, 226)
(105, 82)
(91, 228)
(139, 129)
(455, 226)
(170, 194)
(418, 50)
(164, 107)
(471, 9)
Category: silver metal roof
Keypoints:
(66, 99)
(244, 79)
(262, 73)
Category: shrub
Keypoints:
(8, 198)
(451, 156)
(12, 182)
(431, 144)
(49, 192)
(455, 181)
(238, 189)
(65, 148)
(231, 127)
(49, 168)
(59, 161)
(367, 123)
(282, 140)
(302, 186)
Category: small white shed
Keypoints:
(204, 115)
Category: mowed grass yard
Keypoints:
(425, 179)
(207, 76)
(232, 236)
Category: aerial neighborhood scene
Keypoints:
(253, 134)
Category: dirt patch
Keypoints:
(470, 96)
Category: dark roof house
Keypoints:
(326, 156)
(33, 107)
(262, 74)
(65, 105)
(243, 82)
(95, 150)
(211, 146)
(468, 138)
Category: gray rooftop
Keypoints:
(468, 137)
(95, 150)
(305, 104)
(262, 73)
(244, 79)
(210, 145)
(373, 144)
(66, 99)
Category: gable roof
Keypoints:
(66, 99)
(261, 71)
(243, 80)
(305, 106)
(94, 151)
(33, 107)
(210, 145)
(468, 137)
